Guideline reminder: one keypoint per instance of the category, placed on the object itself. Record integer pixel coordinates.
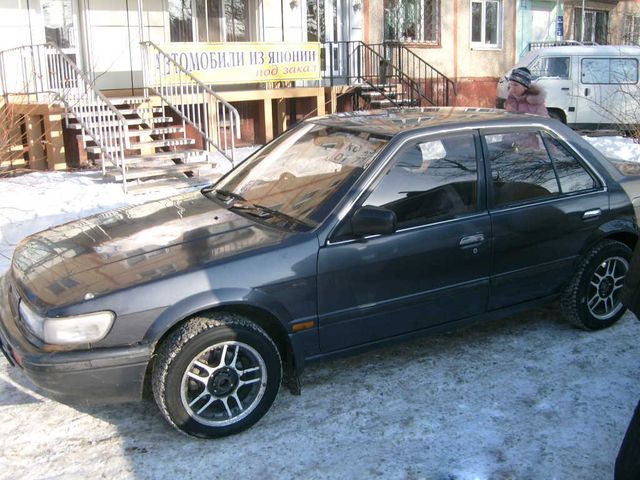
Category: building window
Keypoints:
(236, 13)
(412, 21)
(609, 71)
(596, 26)
(212, 20)
(486, 23)
(631, 35)
(180, 21)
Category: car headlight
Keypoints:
(85, 328)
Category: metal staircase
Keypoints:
(155, 147)
(389, 75)
(128, 137)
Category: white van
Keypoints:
(587, 86)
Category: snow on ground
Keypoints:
(525, 397)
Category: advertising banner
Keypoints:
(242, 62)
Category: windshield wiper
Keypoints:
(224, 195)
(261, 211)
(277, 213)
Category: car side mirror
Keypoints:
(373, 221)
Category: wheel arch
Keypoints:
(256, 306)
(623, 231)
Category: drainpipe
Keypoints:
(582, 23)
(143, 50)
(126, 3)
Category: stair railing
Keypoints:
(362, 65)
(385, 64)
(430, 83)
(45, 73)
(217, 121)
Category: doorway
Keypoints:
(327, 23)
(60, 18)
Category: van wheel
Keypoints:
(216, 375)
(592, 299)
(557, 115)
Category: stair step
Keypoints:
(169, 142)
(140, 110)
(124, 111)
(136, 173)
(141, 132)
(175, 182)
(182, 155)
(128, 121)
(382, 101)
(155, 131)
(132, 100)
(374, 95)
(385, 87)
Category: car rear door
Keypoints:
(433, 269)
(544, 203)
(608, 91)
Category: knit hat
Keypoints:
(521, 75)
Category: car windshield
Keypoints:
(300, 176)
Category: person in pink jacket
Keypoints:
(523, 96)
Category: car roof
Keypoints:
(393, 121)
(586, 50)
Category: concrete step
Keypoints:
(168, 142)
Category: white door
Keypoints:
(542, 23)
(335, 37)
(60, 19)
(608, 89)
(557, 74)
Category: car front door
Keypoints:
(555, 75)
(544, 204)
(433, 269)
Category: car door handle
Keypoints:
(592, 214)
(471, 240)
(586, 92)
(565, 89)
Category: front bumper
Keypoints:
(106, 375)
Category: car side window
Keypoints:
(521, 169)
(557, 67)
(572, 175)
(430, 181)
(612, 71)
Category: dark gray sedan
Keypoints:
(346, 232)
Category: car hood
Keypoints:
(121, 248)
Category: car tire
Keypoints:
(591, 301)
(216, 375)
